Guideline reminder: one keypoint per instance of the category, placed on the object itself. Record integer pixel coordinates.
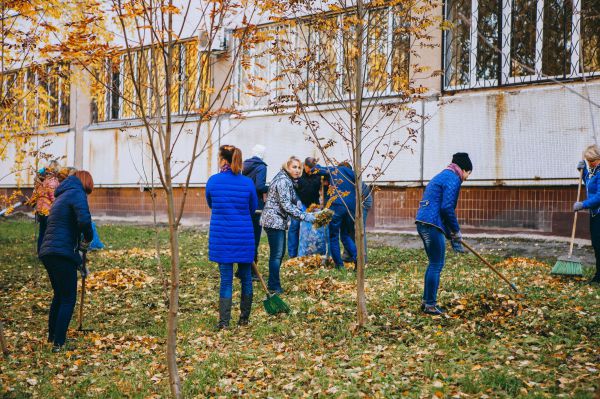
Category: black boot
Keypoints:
(245, 308)
(224, 313)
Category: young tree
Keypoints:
(351, 69)
(159, 64)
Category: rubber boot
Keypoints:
(245, 308)
(224, 313)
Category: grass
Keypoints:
(540, 346)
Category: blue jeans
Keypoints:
(352, 233)
(226, 271)
(435, 247)
(293, 238)
(276, 251)
(342, 219)
(63, 278)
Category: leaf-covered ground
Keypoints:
(546, 344)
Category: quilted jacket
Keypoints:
(281, 203)
(69, 218)
(342, 180)
(232, 199)
(438, 205)
(592, 188)
(256, 169)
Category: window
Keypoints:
(499, 42)
(37, 96)
(321, 50)
(126, 84)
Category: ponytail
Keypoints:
(236, 161)
(233, 156)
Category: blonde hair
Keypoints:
(592, 153)
(291, 160)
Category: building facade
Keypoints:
(519, 90)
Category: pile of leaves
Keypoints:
(308, 262)
(487, 306)
(130, 253)
(520, 262)
(318, 287)
(119, 279)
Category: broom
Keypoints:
(273, 303)
(570, 265)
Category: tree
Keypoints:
(350, 68)
(157, 63)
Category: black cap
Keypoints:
(310, 162)
(463, 161)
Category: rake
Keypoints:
(273, 303)
(488, 264)
(84, 273)
(570, 265)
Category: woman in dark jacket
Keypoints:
(233, 200)
(436, 221)
(68, 220)
(281, 203)
(591, 178)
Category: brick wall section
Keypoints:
(544, 210)
(540, 210)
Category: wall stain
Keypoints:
(500, 110)
(116, 158)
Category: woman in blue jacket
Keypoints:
(68, 220)
(591, 179)
(232, 199)
(436, 221)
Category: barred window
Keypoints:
(36, 96)
(502, 42)
(328, 43)
(125, 83)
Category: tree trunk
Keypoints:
(3, 341)
(174, 381)
(361, 300)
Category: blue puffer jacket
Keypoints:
(69, 218)
(232, 199)
(592, 188)
(342, 178)
(256, 169)
(439, 202)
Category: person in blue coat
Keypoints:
(436, 220)
(591, 179)
(68, 220)
(232, 198)
(341, 185)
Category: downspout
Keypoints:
(422, 177)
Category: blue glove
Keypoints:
(457, 236)
(309, 217)
(577, 206)
(457, 247)
(580, 165)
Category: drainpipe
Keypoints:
(422, 142)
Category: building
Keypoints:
(518, 90)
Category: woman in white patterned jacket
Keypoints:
(279, 207)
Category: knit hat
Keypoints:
(259, 151)
(463, 161)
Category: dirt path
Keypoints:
(547, 250)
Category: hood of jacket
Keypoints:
(251, 164)
(70, 183)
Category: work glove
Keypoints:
(577, 206)
(457, 247)
(84, 245)
(457, 236)
(580, 165)
(309, 217)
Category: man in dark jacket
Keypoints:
(309, 186)
(256, 169)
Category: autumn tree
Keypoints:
(348, 72)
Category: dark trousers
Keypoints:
(435, 247)
(43, 221)
(63, 278)
(595, 233)
(276, 251)
(342, 219)
(257, 233)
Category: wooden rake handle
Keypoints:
(576, 213)
(82, 293)
(488, 264)
(260, 277)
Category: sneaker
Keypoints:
(432, 310)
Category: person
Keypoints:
(436, 220)
(309, 186)
(279, 207)
(367, 195)
(592, 203)
(233, 200)
(62, 250)
(256, 169)
(45, 183)
(341, 185)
